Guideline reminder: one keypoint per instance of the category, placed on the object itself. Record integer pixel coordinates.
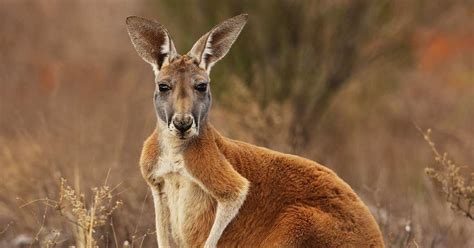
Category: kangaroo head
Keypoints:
(182, 95)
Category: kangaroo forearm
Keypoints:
(217, 177)
(225, 213)
(161, 218)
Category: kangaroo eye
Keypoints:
(163, 87)
(202, 87)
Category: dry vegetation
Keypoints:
(457, 188)
(340, 82)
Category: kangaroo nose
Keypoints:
(183, 123)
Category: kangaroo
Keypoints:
(212, 191)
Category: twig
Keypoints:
(141, 210)
(41, 227)
(113, 231)
(6, 228)
(37, 200)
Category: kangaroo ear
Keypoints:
(152, 41)
(214, 45)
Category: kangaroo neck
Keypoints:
(167, 141)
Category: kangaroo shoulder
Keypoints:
(150, 154)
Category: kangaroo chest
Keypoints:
(191, 210)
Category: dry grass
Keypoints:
(75, 103)
(457, 189)
(85, 220)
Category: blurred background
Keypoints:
(344, 83)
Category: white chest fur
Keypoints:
(185, 199)
(188, 206)
(170, 161)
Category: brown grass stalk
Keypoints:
(457, 189)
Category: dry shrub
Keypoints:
(86, 219)
(84, 216)
(457, 189)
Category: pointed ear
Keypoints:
(214, 45)
(152, 41)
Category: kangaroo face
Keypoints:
(182, 95)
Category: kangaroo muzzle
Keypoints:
(182, 122)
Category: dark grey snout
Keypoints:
(183, 122)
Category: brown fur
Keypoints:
(291, 202)
(212, 191)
